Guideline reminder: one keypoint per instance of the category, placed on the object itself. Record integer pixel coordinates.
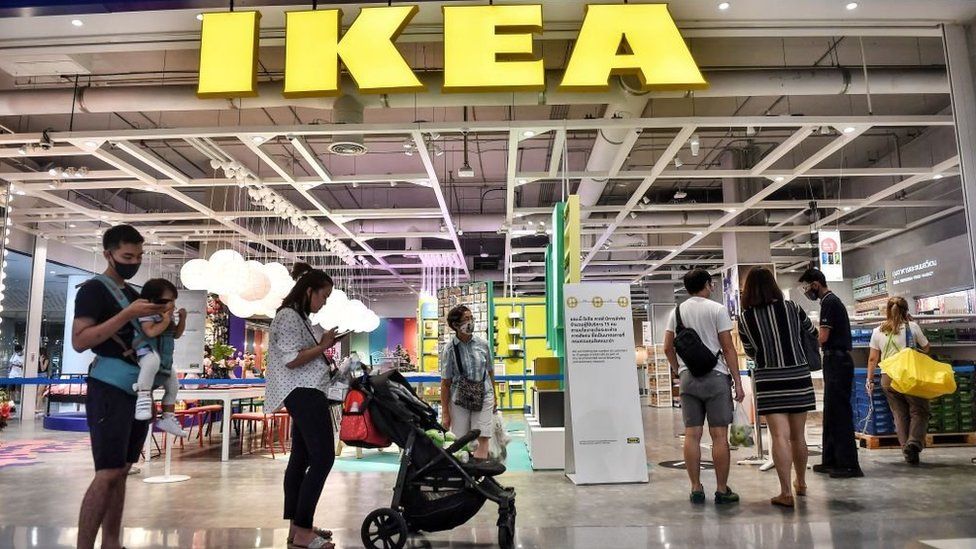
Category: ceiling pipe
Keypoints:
(726, 83)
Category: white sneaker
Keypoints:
(144, 406)
(170, 425)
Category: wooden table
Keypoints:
(227, 395)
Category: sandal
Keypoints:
(326, 534)
(317, 543)
(783, 501)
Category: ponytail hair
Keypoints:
(306, 278)
(896, 313)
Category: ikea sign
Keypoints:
(486, 49)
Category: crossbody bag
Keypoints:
(469, 395)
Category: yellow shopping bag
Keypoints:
(916, 374)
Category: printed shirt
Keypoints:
(475, 361)
(292, 333)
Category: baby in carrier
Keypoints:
(155, 355)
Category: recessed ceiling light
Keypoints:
(77, 22)
(849, 129)
(522, 181)
(258, 139)
(778, 178)
(724, 6)
(91, 144)
(937, 176)
(730, 210)
(72, 226)
(851, 6)
(528, 133)
(199, 17)
(846, 208)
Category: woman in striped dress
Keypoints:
(772, 329)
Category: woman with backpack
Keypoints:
(772, 330)
(911, 414)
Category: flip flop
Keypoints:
(317, 543)
(327, 534)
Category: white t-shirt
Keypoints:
(879, 339)
(709, 319)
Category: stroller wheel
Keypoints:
(384, 529)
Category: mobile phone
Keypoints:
(343, 334)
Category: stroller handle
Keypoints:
(463, 441)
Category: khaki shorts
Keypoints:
(709, 396)
(464, 420)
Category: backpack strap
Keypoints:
(909, 343)
(457, 358)
(123, 302)
(890, 347)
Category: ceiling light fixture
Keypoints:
(724, 6)
(77, 22)
(22, 150)
(694, 144)
(851, 6)
(779, 178)
(199, 17)
(258, 139)
(677, 162)
(846, 208)
(528, 134)
(54, 171)
(680, 195)
(633, 215)
(937, 176)
(522, 181)
(849, 129)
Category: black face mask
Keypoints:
(812, 294)
(126, 270)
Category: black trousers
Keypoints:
(312, 454)
(839, 446)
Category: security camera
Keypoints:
(46, 144)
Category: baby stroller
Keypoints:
(434, 491)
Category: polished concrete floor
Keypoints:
(237, 504)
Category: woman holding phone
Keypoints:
(298, 377)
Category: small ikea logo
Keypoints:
(633, 440)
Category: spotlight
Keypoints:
(750, 130)
(937, 176)
(849, 129)
(695, 144)
(528, 134)
(680, 195)
(22, 150)
(258, 139)
(77, 22)
(677, 162)
(633, 215)
(724, 6)
(646, 200)
(199, 17)
(851, 6)
(54, 171)
(466, 171)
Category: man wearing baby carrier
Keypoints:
(106, 321)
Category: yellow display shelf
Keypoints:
(571, 240)
(519, 322)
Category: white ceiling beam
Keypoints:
(935, 171)
(662, 162)
(846, 137)
(556, 155)
(307, 153)
(302, 147)
(424, 154)
(492, 126)
(153, 161)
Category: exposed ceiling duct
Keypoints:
(730, 83)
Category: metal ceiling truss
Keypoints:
(603, 223)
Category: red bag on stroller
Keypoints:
(357, 428)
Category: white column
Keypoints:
(35, 317)
(963, 94)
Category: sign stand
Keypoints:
(166, 477)
(760, 457)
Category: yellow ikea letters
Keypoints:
(637, 39)
(313, 49)
(486, 48)
(490, 48)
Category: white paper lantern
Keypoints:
(281, 282)
(194, 274)
(257, 284)
(240, 308)
(371, 323)
(337, 298)
(225, 257)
